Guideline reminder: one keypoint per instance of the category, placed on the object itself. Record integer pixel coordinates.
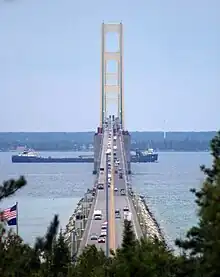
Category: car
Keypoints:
(104, 228)
(126, 209)
(100, 186)
(117, 213)
(115, 189)
(103, 234)
(101, 240)
(94, 237)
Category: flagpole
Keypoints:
(17, 218)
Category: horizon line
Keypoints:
(136, 131)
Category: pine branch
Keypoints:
(11, 186)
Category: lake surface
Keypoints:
(56, 189)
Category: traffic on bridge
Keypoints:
(112, 204)
(99, 217)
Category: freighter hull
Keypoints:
(31, 157)
(134, 159)
(150, 158)
(20, 159)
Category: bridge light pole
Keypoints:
(107, 209)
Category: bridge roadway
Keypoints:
(116, 201)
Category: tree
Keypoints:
(129, 240)
(92, 263)
(144, 257)
(61, 260)
(202, 243)
(11, 186)
(44, 247)
(17, 258)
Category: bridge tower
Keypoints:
(112, 88)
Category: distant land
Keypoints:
(83, 141)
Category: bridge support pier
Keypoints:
(97, 149)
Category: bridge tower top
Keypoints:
(112, 88)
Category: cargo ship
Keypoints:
(28, 156)
(148, 156)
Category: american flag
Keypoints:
(10, 215)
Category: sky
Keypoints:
(50, 64)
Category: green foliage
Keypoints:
(145, 257)
(91, 263)
(203, 241)
(11, 186)
(61, 259)
(17, 258)
(128, 242)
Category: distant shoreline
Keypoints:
(84, 141)
(90, 132)
(85, 151)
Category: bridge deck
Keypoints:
(116, 201)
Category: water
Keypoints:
(56, 188)
(166, 186)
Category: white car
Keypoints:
(126, 209)
(94, 237)
(101, 240)
(104, 228)
(103, 234)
